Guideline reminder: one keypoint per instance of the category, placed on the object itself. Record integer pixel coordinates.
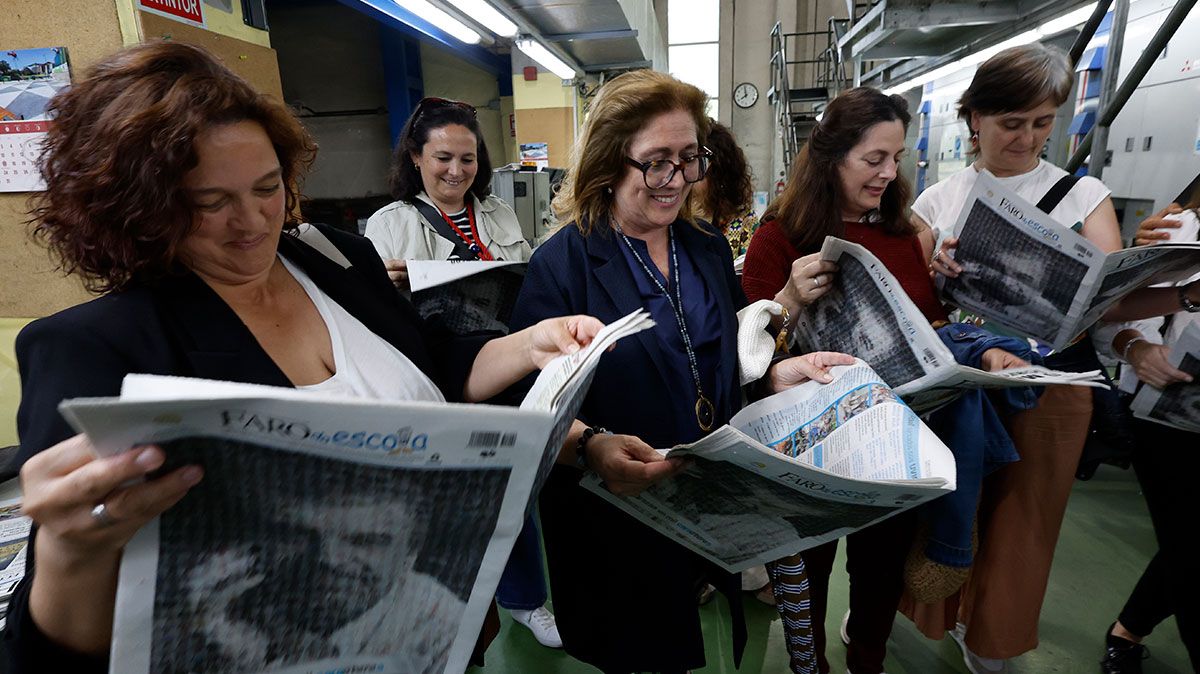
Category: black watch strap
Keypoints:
(581, 446)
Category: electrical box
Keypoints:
(528, 193)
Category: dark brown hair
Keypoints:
(1018, 78)
(404, 179)
(728, 185)
(622, 107)
(114, 210)
(810, 207)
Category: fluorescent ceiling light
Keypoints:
(536, 51)
(1051, 27)
(457, 29)
(487, 15)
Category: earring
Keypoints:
(608, 189)
(974, 137)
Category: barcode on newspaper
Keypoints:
(1080, 248)
(928, 354)
(491, 440)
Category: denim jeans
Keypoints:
(523, 583)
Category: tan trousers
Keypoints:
(1020, 513)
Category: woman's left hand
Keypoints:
(942, 262)
(555, 337)
(794, 371)
(995, 360)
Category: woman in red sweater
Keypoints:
(845, 183)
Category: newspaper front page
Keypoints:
(1177, 405)
(1036, 276)
(868, 315)
(466, 295)
(14, 540)
(795, 470)
(328, 534)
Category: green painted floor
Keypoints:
(1105, 544)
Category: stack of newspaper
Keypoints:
(328, 534)
(14, 538)
(1177, 405)
(867, 315)
(795, 470)
(466, 295)
(1037, 277)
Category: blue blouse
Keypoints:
(704, 327)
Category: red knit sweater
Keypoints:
(770, 255)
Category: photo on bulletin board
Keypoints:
(29, 78)
(535, 154)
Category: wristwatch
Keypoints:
(1185, 301)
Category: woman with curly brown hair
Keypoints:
(172, 189)
(726, 194)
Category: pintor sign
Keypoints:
(188, 11)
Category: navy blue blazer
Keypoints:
(181, 327)
(602, 561)
(574, 274)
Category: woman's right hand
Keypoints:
(1154, 228)
(63, 484)
(810, 278)
(943, 262)
(627, 465)
(398, 272)
(1150, 362)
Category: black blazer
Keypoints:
(625, 596)
(181, 327)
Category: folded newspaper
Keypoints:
(14, 538)
(466, 295)
(798, 469)
(328, 534)
(1177, 405)
(1037, 277)
(868, 315)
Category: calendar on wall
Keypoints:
(29, 78)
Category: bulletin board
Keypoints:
(554, 126)
(29, 284)
(257, 64)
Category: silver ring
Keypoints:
(100, 516)
(817, 281)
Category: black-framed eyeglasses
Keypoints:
(657, 173)
(430, 102)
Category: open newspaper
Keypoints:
(14, 539)
(868, 315)
(328, 534)
(1037, 277)
(795, 470)
(466, 295)
(1177, 405)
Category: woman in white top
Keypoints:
(441, 176)
(1010, 108)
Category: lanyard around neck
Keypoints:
(472, 239)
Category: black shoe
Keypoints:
(1122, 656)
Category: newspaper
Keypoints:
(328, 534)
(14, 539)
(798, 469)
(868, 315)
(1177, 405)
(466, 295)
(1037, 277)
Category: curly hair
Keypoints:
(115, 211)
(810, 207)
(404, 179)
(622, 107)
(729, 185)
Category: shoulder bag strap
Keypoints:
(1057, 191)
(434, 217)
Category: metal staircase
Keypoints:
(796, 108)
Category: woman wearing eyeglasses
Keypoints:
(625, 597)
(441, 179)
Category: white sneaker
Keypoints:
(976, 664)
(845, 632)
(540, 621)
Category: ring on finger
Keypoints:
(817, 280)
(101, 517)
